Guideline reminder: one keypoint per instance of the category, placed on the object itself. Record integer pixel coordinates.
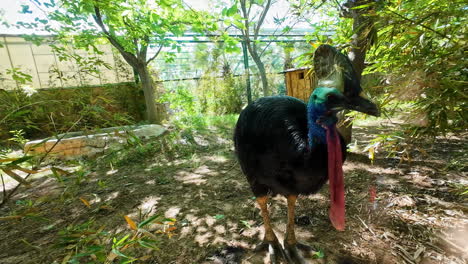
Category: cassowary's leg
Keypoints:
(290, 234)
(290, 243)
(269, 234)
(270, 241)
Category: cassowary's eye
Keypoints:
(314, 97)
(332, 98)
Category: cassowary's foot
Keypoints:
(274, 249)
(293, 252)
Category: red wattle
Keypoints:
(336, 180)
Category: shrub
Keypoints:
(52, 111)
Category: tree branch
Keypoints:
(262, 18)
(344, 9)
(155, 55)
(246, 19)
(129, 57)
(246, 31)
(282, 34)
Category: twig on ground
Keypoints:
(435, 248)
(365, 225)
(4, 188)
(31, 245)
(232, 167)
(405, 255)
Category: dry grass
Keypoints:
(419, 215)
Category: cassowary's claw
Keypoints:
(293, 254)
(305, 247)
(274, 249)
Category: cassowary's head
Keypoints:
(325, 102)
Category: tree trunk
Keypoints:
(361, 41)
(262, 72)
(263, 76)
(152, 114)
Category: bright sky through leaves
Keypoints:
(12, 14)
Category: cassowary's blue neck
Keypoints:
(316, 133)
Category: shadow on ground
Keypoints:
(419, 215)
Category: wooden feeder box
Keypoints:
(299, 83)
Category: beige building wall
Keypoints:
(48, 71)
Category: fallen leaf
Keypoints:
(130, 222)
(144, 258)
(85, 202)
(11, 217)
(16, 167)
(16, 177)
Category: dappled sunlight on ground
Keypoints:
(172, 212)
(112, 196)
(148, 204)
(418, 216)
(110, 172)
(189, 177)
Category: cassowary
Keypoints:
(287, 147)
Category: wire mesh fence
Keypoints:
(194, 61)
(48, 70)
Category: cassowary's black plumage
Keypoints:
(287, 147)
(272, 147)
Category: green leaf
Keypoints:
(232, 10)
(25, 9)
(121, 241)
(50, 4)
(118, 253)
(363, 6)
(246, 223)
(21, 113)
(258, 2)
(286, 29)
(149, 220)
(218, 216)
(238, 24)
(148, 244)
(319, 254)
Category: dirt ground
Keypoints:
(419, 215)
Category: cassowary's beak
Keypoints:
(362, 105)
(339, 102)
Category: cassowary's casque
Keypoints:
(287, 147)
